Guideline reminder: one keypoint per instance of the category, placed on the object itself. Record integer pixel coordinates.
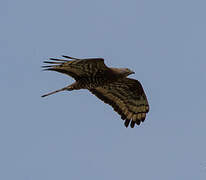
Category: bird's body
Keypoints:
(111, 85)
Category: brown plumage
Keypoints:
(111, 85)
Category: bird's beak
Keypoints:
(132, 72)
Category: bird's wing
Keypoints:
(76, 68)
(127, 98)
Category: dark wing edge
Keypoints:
(74, 67)
(127, 98)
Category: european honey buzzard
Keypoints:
(111, 85)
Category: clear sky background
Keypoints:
(73, 135)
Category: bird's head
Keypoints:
(123, 71)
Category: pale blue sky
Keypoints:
(73, 135)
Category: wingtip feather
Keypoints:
(132, 124)
(126, 123)
(68, 57)
(55, 59)
(51, 62)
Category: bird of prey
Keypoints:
(111, 85)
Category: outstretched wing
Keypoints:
(127, 98)
(76, 68)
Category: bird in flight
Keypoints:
(111, 85)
